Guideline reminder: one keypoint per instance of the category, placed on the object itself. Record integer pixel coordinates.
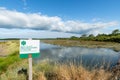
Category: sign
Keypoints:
(29, 47)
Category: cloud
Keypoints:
(13, 19)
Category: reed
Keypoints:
(46, 71)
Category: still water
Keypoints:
(78, 55)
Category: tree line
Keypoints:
(112, 37)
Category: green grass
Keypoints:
(12, 54)
(5, 62)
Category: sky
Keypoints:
(57, 18)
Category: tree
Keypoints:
(116, 31)
(91, 35)
(84, 36)
(74, 37)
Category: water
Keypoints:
(3, 40)
(78, 55)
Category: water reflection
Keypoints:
(78, 55)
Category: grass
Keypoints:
(46, 71)
(11, 64)
(11, 54)
(65, 72)
(88, 44)
(5, 62)
(11, 72)
(8, 47)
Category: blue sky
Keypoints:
(57, 18)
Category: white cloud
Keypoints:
(25, 33)
(36, 21)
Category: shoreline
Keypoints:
(87, 44)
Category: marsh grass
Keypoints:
(7, 61)
(10, 49)
(72, 72)
(11, 72)
(10, 65)
(47, 71)
(82, 43)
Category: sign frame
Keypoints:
(29, 47)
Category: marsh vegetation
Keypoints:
(10, 64)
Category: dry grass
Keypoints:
(8, 47)
(89, 44)
(46, 71)
(72, 72)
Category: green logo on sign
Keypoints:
(23, 43)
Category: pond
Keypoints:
(3, 40)
(88, 57)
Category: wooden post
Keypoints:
(30, 66)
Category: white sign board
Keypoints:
(29, 47)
